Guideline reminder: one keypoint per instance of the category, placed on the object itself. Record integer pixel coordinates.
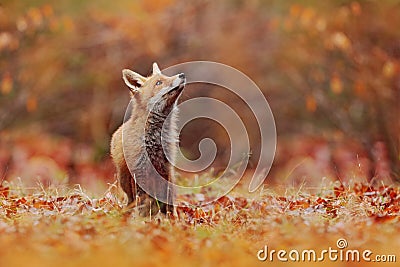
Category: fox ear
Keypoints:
(156, 69)
(133, 80)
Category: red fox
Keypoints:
(137, 145)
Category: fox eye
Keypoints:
(158, 82)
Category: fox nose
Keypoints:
(182, 76)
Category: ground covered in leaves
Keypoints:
(69, 227)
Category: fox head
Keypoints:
(159, 93)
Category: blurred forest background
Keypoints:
(329, 69)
